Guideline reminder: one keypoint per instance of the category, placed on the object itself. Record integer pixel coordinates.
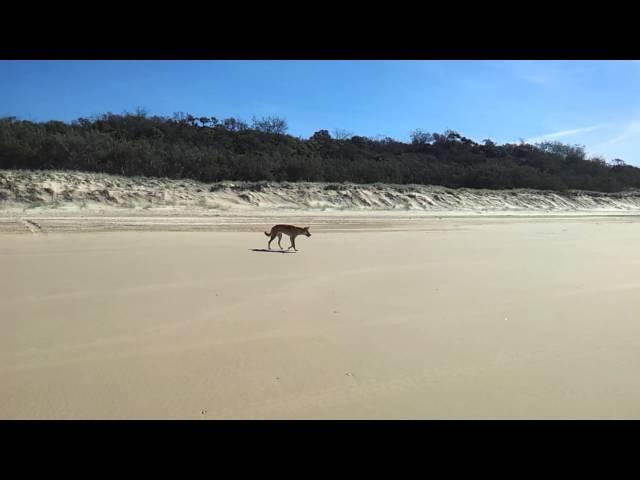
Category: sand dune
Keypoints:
(43, 190)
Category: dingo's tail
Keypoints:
(268, 234)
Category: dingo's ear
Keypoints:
(306, 228)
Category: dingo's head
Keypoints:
(306, 231)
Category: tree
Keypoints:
(599, 161)
(321, 136)
(273, 125)
(359, 140)
(178, 117)
(557, 148)
(84, 122)
(180, 147)
(191, 120)
(340, 134)
(418, 137)
(452, 136)
(234, 125)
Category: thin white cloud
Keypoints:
(631, 130)
(564, 133)
(625, 144)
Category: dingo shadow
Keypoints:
(264, 250)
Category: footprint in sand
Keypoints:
(32, 226)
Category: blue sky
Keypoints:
(592, 103)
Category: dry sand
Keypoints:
(375, 318)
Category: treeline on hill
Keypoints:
(211, 150)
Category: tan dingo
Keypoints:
(290, 230)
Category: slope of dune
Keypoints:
(54, 189)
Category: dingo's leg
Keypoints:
(271, 240)
(279, 238)
(293, 243)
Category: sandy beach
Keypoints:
(468, 239)
(380, 317)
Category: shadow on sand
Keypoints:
(264, 250)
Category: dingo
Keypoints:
(290, 230)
